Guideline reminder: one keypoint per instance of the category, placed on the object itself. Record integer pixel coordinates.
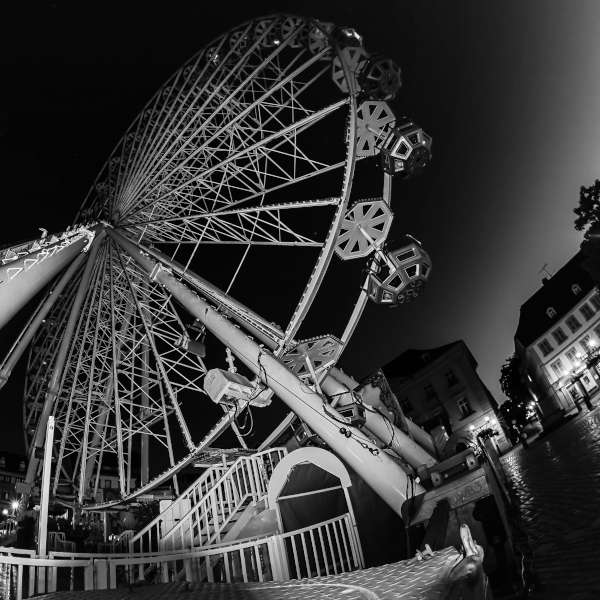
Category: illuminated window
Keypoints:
(545, 347)
(551, 312)
(571, 354)
(573, 323)
(585, 343)
(587, 311)
(559, 335)
(595, 300)
(557, 367)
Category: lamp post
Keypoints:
(587, 361)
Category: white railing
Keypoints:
(148, 538)
(208, 519)
(328, 548)
(322, 549)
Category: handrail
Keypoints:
(251, 483)
(155, 523)
(205, 484)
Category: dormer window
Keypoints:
(551, 312)
(576, 289)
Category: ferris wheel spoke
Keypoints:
(160, 365)
(168, 129)
(204, 120)
(262, 225)
(200, 150)
(184, 371)
(275, 137)
(68, 419)
(96, 381)
(173, 131)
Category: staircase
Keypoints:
(207, 512)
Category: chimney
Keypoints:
(545, 280)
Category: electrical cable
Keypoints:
(328, 417)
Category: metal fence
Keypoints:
(325, 548)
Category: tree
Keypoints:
(588, 211)
(515, 410)
(588, 220)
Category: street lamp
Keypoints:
(14, 505)
(5, 511)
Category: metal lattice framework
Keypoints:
(248, 148)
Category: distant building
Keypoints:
(557, 340)
(440, 390)
(12, 471)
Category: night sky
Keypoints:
(509, 91)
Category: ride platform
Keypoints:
(414, 579)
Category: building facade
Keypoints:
(557, 341)
(440, 390)
(12, 471)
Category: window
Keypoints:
(595, 300)
(576, 288)
(557, 367)
(573, 324)
(551, 312)
(108, 483)
(464, 408)
(571, 354)
(559, 335)
(451, 378)
(5, 495)
(587, 311)
(585, 343)
(545, 347)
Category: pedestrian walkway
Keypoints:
(557, 483)
(406, 580)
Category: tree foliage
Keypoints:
(515, 410)
(588, 220)
(511, 382)
(588, 211)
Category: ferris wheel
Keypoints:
(245, 158)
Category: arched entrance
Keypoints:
(310, 486)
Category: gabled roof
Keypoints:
(413, 360)
(556, 293)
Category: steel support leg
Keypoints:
(377, 469)
(41, 313)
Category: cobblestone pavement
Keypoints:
(406, 580)
(557, 482)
